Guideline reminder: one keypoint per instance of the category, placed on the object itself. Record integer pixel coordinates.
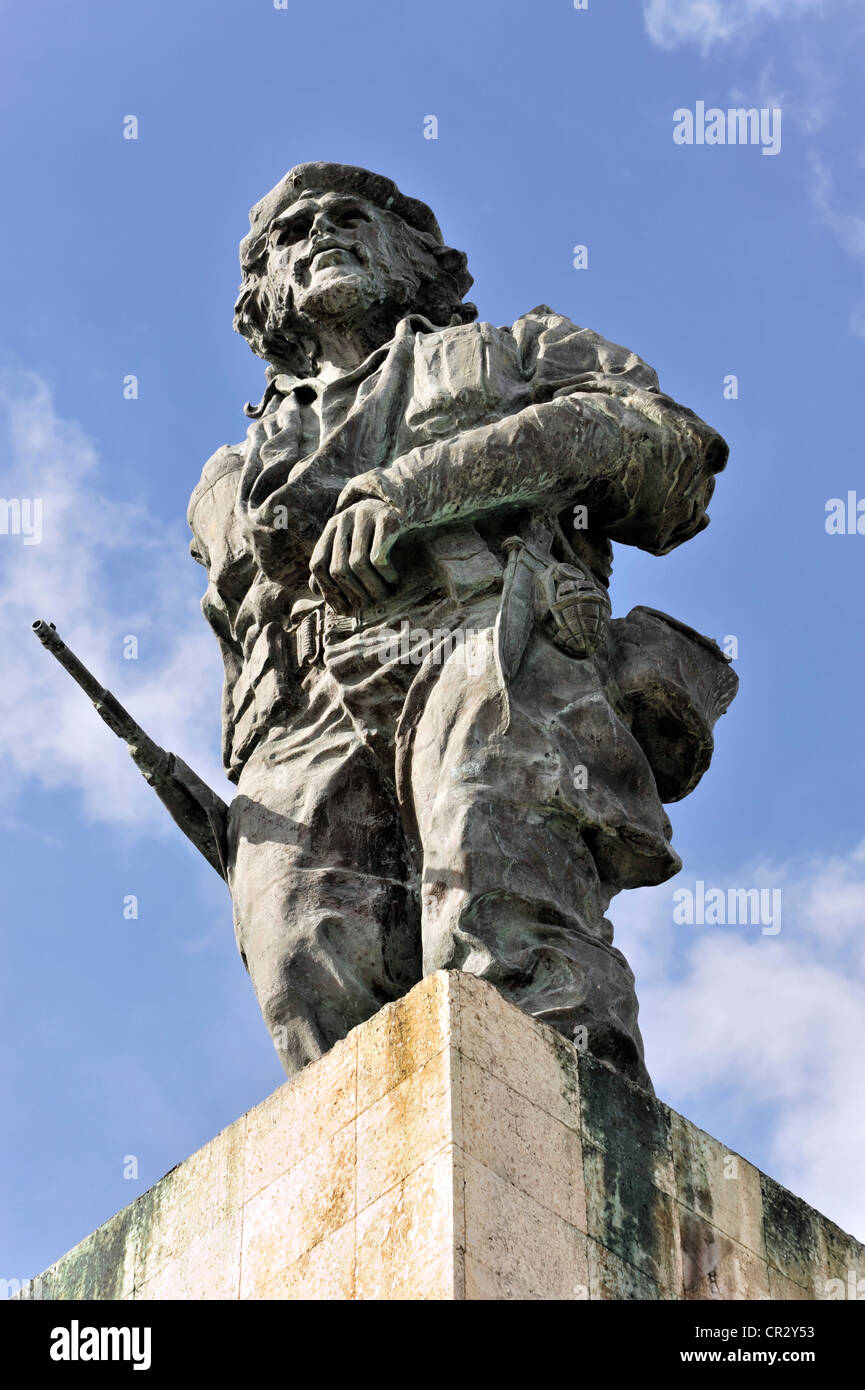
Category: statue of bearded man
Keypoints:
(447, 754)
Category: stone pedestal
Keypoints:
(453, 1148)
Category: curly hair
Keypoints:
(278, 335)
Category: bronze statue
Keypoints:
(447, 753)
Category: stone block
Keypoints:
(452, 1148)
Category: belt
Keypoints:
(315, 624)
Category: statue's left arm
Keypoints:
(597, 432)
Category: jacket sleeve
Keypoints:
(218, 546)
(597, 432)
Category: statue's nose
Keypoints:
(321, 223)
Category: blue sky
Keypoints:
(141, 1036)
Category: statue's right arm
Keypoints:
(598, 432)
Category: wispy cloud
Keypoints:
(820, 84)
(103, 569)
(847, 226)
(766, 1028)
(707, 23)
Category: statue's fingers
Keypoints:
(319, 562)
(341, 571)
(332, 594)
(384, 535)
(319, 566)
(359, 556)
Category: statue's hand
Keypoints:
(350, 567)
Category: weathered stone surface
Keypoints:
(714, 1266)
(522, 1144)
(289, 1217)
(408, 1238)
(408, 560)
(316, 1107)
(613, 1280)
(516, 1248)
(632, 1218)
(454, 1148)
(717, 1185)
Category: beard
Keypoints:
(366, 299)
(339, 298)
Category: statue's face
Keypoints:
(335, 256)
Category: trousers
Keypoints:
(413, 816)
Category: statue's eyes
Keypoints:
(291, 232)
(287, 233)
(350, 217)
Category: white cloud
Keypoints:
(670, 23)
(765, 92)
(847, 227)
(768, 1028)
(104, 568)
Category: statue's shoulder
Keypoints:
(542, 317)
(227, 459)
(550, 341)
(543, 322)
(211, 507)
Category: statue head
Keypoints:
(336, 246)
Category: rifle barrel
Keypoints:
(195, 808)
(118, 719)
